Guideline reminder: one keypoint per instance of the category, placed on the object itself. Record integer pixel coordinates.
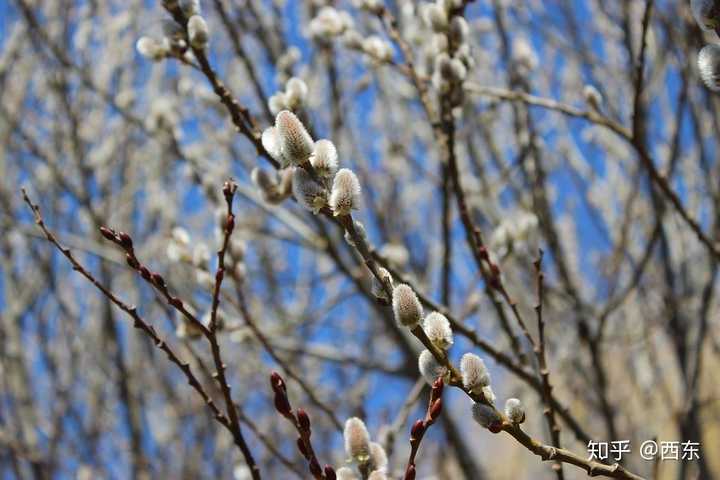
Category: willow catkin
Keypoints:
(437, 328)
(709, 66)
(357, 440)
(475, 375)
(514, 410)
(345, 194)
(295, 142)
(406, 306)
(307, 191)
(429, 367)
(198, 32)
(324, 158)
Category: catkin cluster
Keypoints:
(364, 454)
(177, 38)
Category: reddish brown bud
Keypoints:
(302, 448)
(229, 189)
(303, 420)
(484, 253)
(125, 240)
(417, 429)
(315, 467)
(176, 302)
(495, 426)
(107, 233)
(277, 383)
(219, 275)
(158, 280)
(282, 405)
(144, 272)
(435, 410)
(410, 472)
(329, 473)
(132, 261)
(230, 223)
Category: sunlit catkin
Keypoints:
(198, 32)
(514, 410)
(706, 13)
(475, 375)
(307, 191)
(406, 306)
(296, 145)
(437, 328)
(429, 367)
(324, 158)
(378, 457)
(345, 194)
(357, 440)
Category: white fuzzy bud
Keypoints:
(458, 69)
(204, 279)
(514, 410)
(523, 54)
(527, 231)
(181, 236)
(437, 328)
(709, 66)
(406, 306)
(377, 48)
(352, 40)
(485, 415)
(307, 191)
(198, 32)
(267, 183)
(151, 48)
(329, 23)
(296, 144)
(378, 457)
(324, 158)
(459, 29)
(271, 143)
(345, 473)
(357, 440)
(201, 256)
(277, 103)
(345, 194)
(439, 43)
(706, 13)
(474, 373)
(429, 367)
(435, 17)
(295, 93)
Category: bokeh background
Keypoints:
(99, 134)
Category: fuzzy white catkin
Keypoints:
(181, 236)
(151, 48)
(324, 158)
(271, 143)
(475, 375)
(377, 48)
(190, 7)
(514, 410)
(357, 440)
(307, 191)
(277, 103)
(198, 32)
(437, 328)
(429, 367)
(296, 145)
(262, 179)
(435, 17)
(406, 306)
(593, 97)
(295, 93)
(484, 414)
(378, 457)
(345, 473)
(345, 194)
(709, 66)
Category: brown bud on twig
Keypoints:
(437, 388)
(417, 430)
(303, 421)
(277, 383)
(144, 272)
(315, 467)
(132, 261)
(282, 405)
(410, 472)
(158, 280)
(229, 189)
(230, 223)
(329, 473)
(125, 240)
(303, 449)
(108, 233)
